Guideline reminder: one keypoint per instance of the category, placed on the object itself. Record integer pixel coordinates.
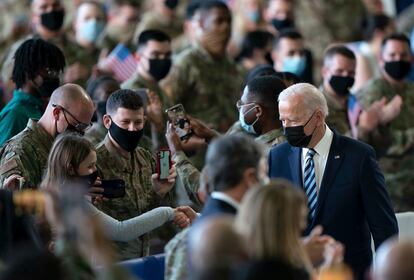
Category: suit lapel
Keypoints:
(333, 163)
(295, 166)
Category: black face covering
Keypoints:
(398, 70)
(296, 135)
(341, 85)
(172, 4)
(128, 140)
(48, 87)
(88, 180)
(282, 24)
(159, 68)
(53, 20)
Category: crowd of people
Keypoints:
(288, 128)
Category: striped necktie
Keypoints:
(310, 182)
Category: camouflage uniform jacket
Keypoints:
(176, 263)
(338, 115)
(135, 169)
(398, 160)
(26, 154)
(401, 129)
(137, 81)
(207, 88)
(153, 20)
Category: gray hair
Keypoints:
(311, 97)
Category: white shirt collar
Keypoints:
(324, 145)
(226, 198)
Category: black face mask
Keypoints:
(172, 4)
(282, 24)
(296, 135)
(341, 85)
(159, 68)
(53, 20)
(88, 180)
(48, 87)
(398, 70)
(128, 140)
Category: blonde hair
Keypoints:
(269, 219)
(311, 97)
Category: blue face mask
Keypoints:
(294, 64)
(247, 127)
(91, 30)
(254, 15)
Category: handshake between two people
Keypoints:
(184, 216)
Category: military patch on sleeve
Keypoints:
(7, 166)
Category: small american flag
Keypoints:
(354, 110)
(121, 62)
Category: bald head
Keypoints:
(394, 260)
(75, 100)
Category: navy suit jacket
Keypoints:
(353, 202)
(217, 207)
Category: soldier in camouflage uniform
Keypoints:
(204, 79)
(84, 53)
(47, 20)
(338, 73)
(154, 62)
(395, 119)
(24, 157)
(162, 17)
(119, 158)
(123, 17)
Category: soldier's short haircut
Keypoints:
(396, 36)
(151, 34)
(265, 91)
(374, 23)
(208, 5)
(227, 159)
(337, 49)
(123, 98)
(33, 56)
(288, 33)
(119, 3)
(258, 39)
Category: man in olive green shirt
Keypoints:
(338, 74)
(119, 157)
(395, 120)
(36, 75)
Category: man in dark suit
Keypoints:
(340, 176)
(233, 167)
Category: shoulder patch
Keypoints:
(7, 166)
(10, 155)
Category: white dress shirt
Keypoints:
(320, 157)
(224, 197)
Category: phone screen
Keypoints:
(164, 164)
(177, 116)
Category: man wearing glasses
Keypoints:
(24, 157)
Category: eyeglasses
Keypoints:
(79, 126)
(239, 104)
